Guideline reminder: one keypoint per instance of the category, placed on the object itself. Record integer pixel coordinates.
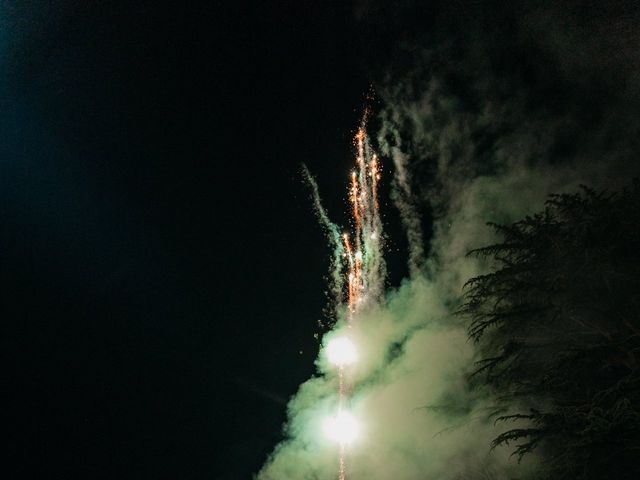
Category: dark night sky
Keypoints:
(162, 269)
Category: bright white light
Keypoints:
(341, 351)
(343, 428)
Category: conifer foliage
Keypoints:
(557, 322)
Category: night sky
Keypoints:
(162, 268)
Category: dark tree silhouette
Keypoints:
(557, 321)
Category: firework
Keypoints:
(363, 273)
(341, 351)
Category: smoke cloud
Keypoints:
(475, 137)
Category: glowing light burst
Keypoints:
(342, 428)
(341, 351)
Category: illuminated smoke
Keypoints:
(404, 201)
(335, 240)
(400, 408)
(396, 404)
(487, 147)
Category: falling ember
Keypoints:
(359, 140)
(375, 176)
(354, 197)
(351, 276)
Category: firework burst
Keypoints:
(362, 272)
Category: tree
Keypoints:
(557, 322)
